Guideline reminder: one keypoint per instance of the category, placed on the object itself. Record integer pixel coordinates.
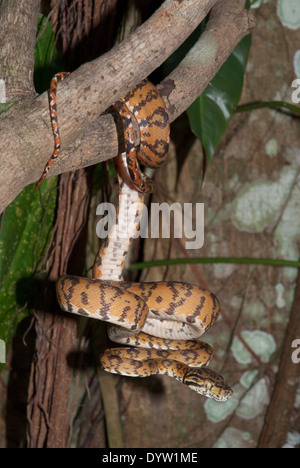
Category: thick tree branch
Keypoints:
(17, 37)
(229, 23)
(88, 138)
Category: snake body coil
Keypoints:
(159, 322)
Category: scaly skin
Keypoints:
(161, 322)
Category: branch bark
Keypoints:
(89, 138)
(17, 38)
(48, 411)
(286, 385)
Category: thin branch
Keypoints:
(111, 409)
(225, 260)
(88, 138)
(269, 105)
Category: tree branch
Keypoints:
(17, 37)
(287, 382)
(89, 138)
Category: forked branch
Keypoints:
(89, 137)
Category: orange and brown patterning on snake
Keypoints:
(160, 322)
(54, 123)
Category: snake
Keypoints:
(157, 324)
(54, 123)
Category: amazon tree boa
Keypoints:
(158, 322)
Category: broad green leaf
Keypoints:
(26, 226)
(210, 114)
(46, 59)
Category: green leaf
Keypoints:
(26, 224)
(26, 227)
(46, 59)
(210, 114)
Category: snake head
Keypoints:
(206, 382)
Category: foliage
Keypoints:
(46, 59)
(27, 222)
(25, 232)
(210, 114)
